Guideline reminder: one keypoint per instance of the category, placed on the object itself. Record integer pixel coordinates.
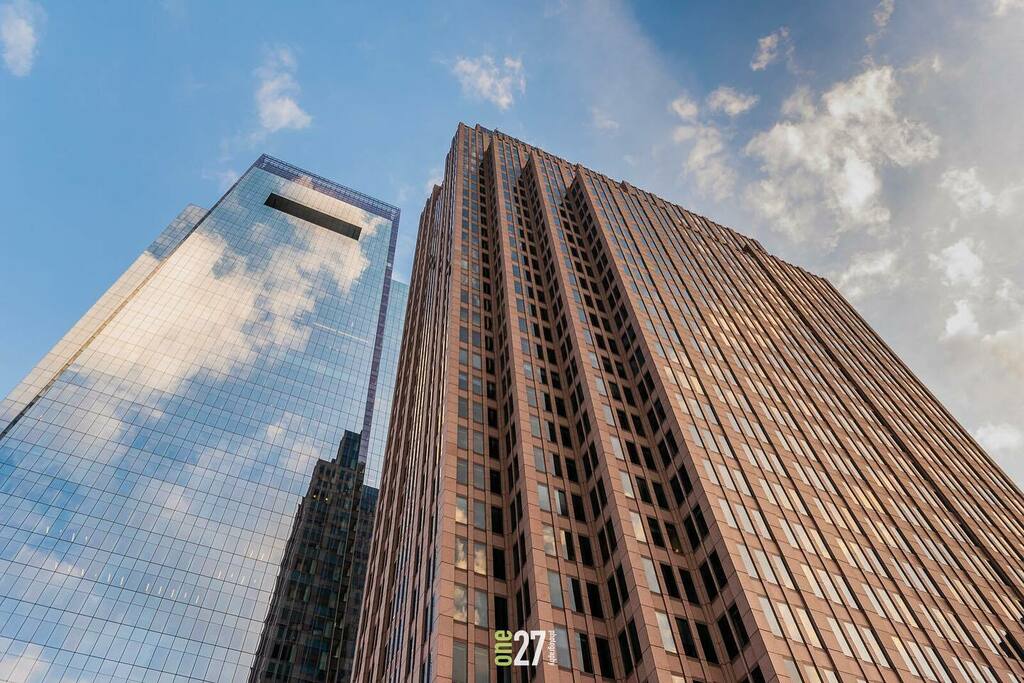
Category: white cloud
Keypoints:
(821, 164)
(881, 16)
(999, 437)
(224, 178)
(959, 263)
(25, 661)
(275, 94)
(684, 107)
(249, 314)
(730, 101)
(968, 192)
(483, 78)
(601, 120)
(865, 272)
(883, 13)
(768, 48)
(1009, 293)
(1006, 347)
(706, 162)
(799, 105)
(1003, 7)
(436, 177)
(972, 196)
(20, 22)
(962, 322)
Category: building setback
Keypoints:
(620, 422)
(152, 464)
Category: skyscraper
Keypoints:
(152, 464)
(311, 626)
(680, 457)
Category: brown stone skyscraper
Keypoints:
(624, 424)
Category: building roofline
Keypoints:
(291, 172)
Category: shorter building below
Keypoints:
(311, 628)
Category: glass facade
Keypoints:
(391, 344)
(152, 464)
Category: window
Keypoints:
(480, 608)
(568, 548)
(562, 503)
(673, 538)
(669, 578)
(667, 641)
(656, 537)
(738, 626)
(709, 581)
(594, 600)
(651, 575)
(638, 527)
(459, 657)
(481, 665)
(634, 640)
(706, 643)
(549, 539)
(497, 520)
(575, 595)
(460, 509)
(460, 603)
(604, 657)
(562, 647)
(686, 636)
(480, 515)
(555, 589)
(586, 554)
(792, 631)
(717, 570)
(689, 587)
(460, 553)
(613, 595)
(627, 658)
(730, 642)
(543, 498)
(480, 558)
(627, 484)
(769, 614)
(583, 656)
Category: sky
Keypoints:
(877, 144)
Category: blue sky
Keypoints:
(875, 143)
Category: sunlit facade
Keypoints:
(634, 430)
(152, 464)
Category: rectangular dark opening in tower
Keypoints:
(308, 213)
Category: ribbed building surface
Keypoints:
(691, 461)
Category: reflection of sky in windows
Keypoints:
(391, 345)
(146, 496)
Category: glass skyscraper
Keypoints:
(152, 464)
